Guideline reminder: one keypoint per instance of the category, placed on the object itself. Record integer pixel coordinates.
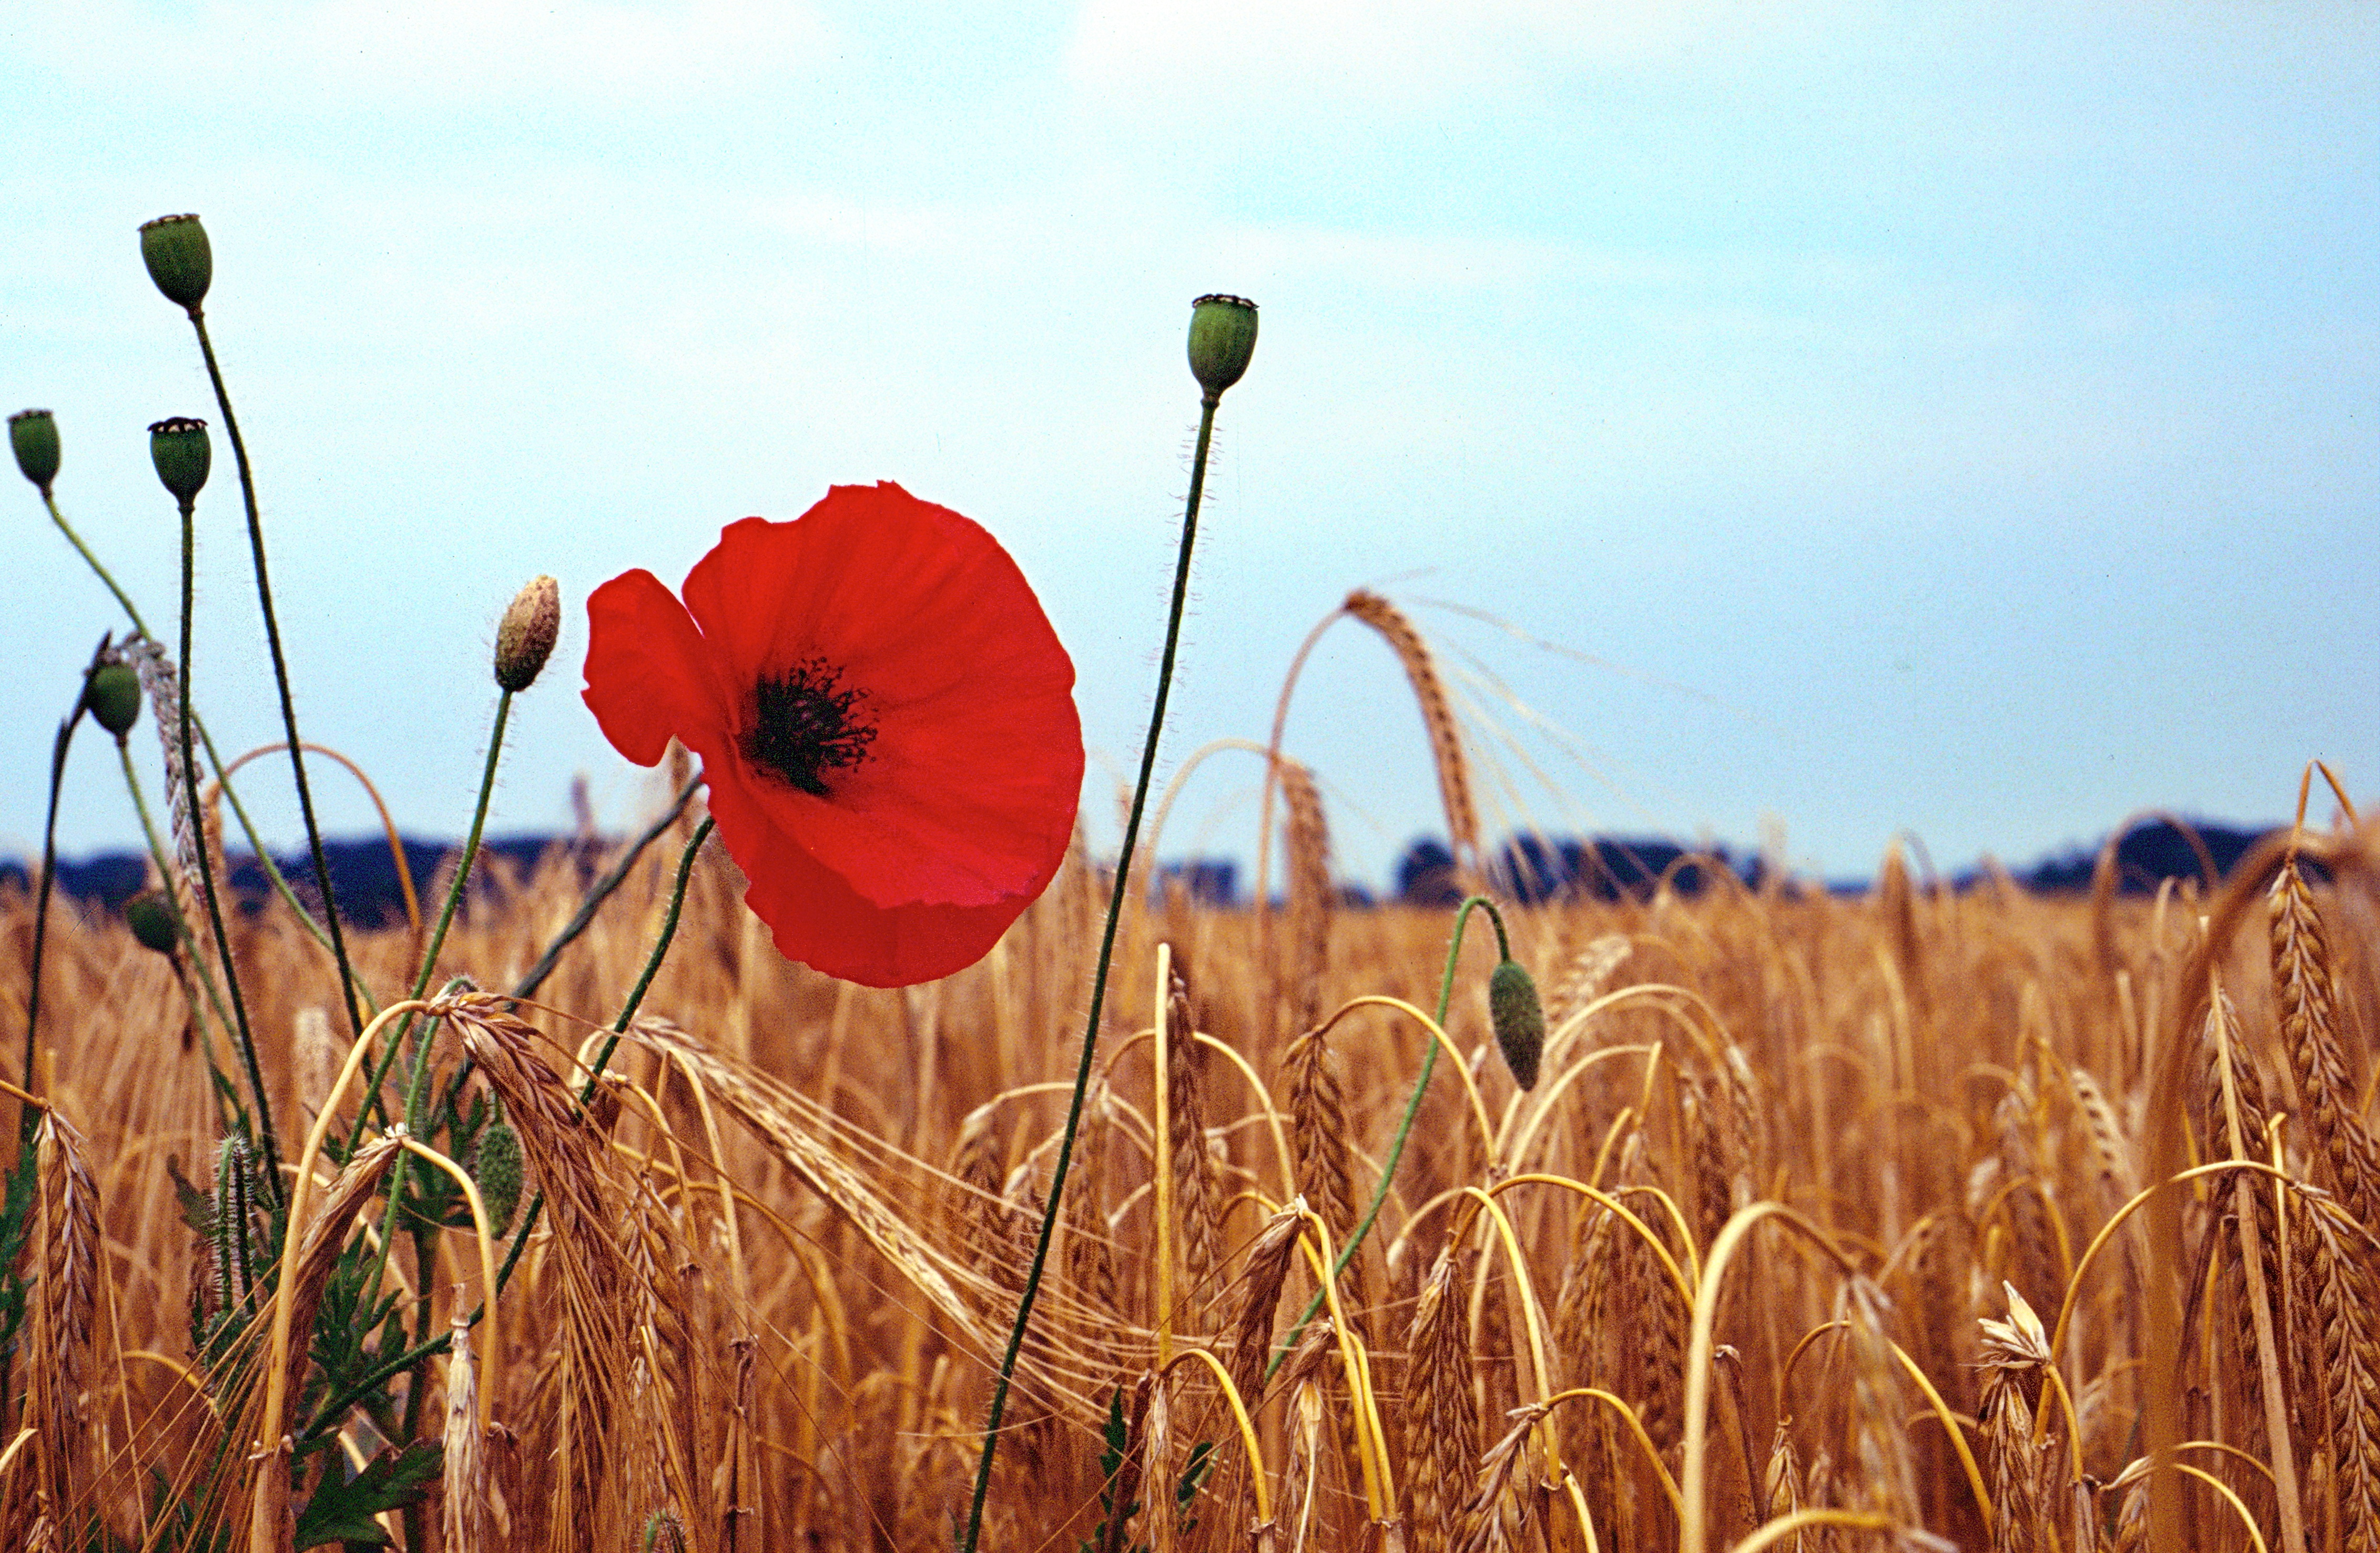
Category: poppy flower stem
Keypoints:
(25, 1117)
(1100, 980)
(280, 679)
(430, 956)
(265, 1136)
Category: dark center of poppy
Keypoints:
(807, 726)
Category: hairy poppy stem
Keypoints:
(265, 1136)
(280, 679)
(1405, 1128)
(1100, 978)
(41, 916)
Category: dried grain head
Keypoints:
(1437, 716)
(1441, 1414)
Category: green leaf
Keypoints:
(343, 1511)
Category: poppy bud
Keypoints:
(33, 437)
(524, 637)
(112, 694)
(151, 917)
(1518, 1019)
(1222, 337)
(175, 248)
(179, 448)
(496, 1171)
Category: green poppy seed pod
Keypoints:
(176, 249)
(33, 438)
(179, 448)
(151, 917)
(1518, 1019)
(496, 1171)
(524, 637)
(112, 694)
(1222, 337)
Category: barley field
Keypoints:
(1812, 1234)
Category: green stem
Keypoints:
(1100, 977)
(25, 1111)
(1405, 1128)
(528, 984)
(207, 873)
(92, 561)
(280, 679)
(455, 889)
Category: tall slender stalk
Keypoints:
(1213, 378)
(265, 1136)
(280, 679)
(25, 1110)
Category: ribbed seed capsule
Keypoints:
(1223, 338)
(179, 448)
(33, 438)
(179, 258)
(112, 694)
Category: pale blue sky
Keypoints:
(1956, 420)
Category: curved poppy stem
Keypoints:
(42, 913)
(1405, 1128)
(1100, 978)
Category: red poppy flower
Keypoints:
(885, 718)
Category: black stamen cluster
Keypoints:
(805, 726)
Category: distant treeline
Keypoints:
(1528, 867)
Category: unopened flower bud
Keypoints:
(179, 448)
(496, 1171)
(1518, 1019)
(524, 637)
(151, 917)
(112, 694)
(1222, 337)
(176, 249)
(33, 437)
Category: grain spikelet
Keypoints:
(2028, 1203)
(1437, 715)
(2345, 1304)
(2016, 1353)
(2310, 1034)
(65, 1238)
(1268, 1267)
(1582, 981)
(464, 1482)
(1321, 1138)
(1305, 836)
(1198, 1194)
(1442, 1418)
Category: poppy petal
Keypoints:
(976, 768)
(649, 675)
(815, 915)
